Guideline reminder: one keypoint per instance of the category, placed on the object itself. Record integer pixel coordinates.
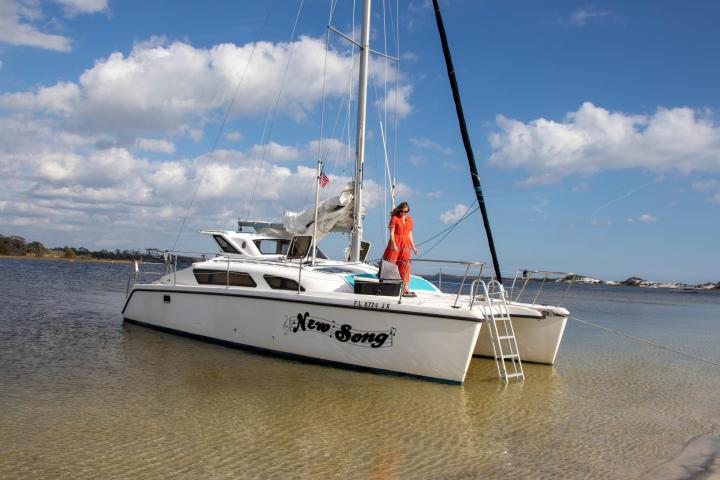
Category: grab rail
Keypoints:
(466, 264)
(525, 276)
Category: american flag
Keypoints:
(324, 180)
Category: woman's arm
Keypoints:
(412, 243)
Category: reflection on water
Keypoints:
(86, 396)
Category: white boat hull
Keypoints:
(538, 339)
(358, 332)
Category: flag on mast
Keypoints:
(324, 180)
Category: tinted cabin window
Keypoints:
(219, 277)
(272, 246)
(282, 283)
(226, 247)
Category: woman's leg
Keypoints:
(404, 270)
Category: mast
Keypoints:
(466, 138)
(360, 139)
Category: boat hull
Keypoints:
(538, 339)
(359, 333)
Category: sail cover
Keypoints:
(334, 215)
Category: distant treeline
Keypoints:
(18, 246)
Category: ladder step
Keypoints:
(513, 375)
(506, 337)
(510, 355)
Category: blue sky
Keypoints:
(595, 125)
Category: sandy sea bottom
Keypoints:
(86, 396)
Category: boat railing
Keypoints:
(531, 286)
(143, 271)
(140, 274)
(469, 272)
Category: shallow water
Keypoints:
(84, 395)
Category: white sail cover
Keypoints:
(334, 215)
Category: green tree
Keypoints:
(36, 249)
(69, 252)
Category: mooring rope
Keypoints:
(647, 342)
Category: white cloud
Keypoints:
(53, 182)
(71, 153)
(16, 29)
(160, 88)
(593, 139)
(154, 145)
(580, 16)
(714, 199)
(646, 218)
(454, 214)
(411, 57)
(17, 18)
(398, 100)
(77, 7)
(60, 99)
(274, 152)
(234, 136)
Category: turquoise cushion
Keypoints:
(415, 283)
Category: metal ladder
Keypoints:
(502, 334)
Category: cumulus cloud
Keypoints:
(594, 139)
(454, 214)
(398, 101)
(16, 28)
(74, 155)
(167, 88)
(54, 184)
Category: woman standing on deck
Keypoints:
(400, 244)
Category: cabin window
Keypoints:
(219, 277)
(282, 283)
(224, 245)
(271, 246)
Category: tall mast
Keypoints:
(466, 138)
(360, 140)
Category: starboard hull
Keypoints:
(538, 339)
(344, 333)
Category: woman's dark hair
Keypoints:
(396, 211)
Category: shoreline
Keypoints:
(63, 259)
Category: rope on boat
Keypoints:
(647, 342)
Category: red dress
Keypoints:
(401, 256)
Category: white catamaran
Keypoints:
(271, 289)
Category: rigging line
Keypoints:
(383, 135)
(341, 109)
(450, 230)
(397, 87)
(462, 218)
(220, 130)
(647, 342)
(273, 110)
(322, 115)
